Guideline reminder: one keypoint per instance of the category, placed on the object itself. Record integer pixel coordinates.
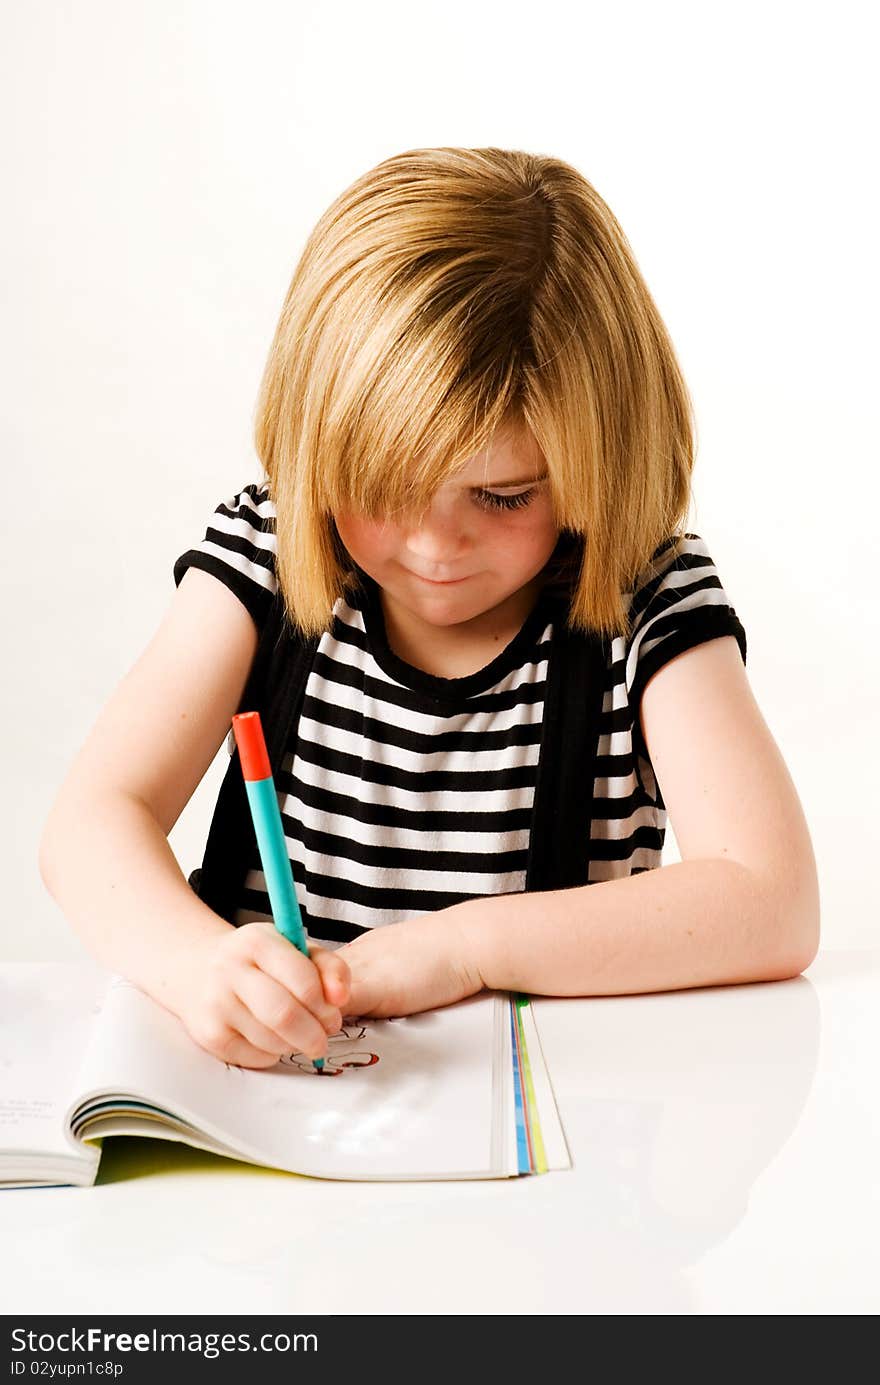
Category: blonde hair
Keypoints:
(444, 295)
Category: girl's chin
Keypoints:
(448, 610)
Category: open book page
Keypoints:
(550, 1147)
(409, 1098)
(46, 1012)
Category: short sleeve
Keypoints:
(239, 550)
(677, 603)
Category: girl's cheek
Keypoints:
(366, 539)
(534, 531)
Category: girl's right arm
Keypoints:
(245, 994)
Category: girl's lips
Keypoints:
(434, 582)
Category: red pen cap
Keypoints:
(248, 731)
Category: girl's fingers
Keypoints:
(279, 960)
(272, 1019)
(242, 1054)
(335, 974)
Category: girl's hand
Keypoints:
(252, 996)
(402, 968)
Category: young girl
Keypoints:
(477, 448)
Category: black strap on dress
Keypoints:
(559, 839)
(275, 688)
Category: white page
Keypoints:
(416, 1102)
(547, 1114)
(46, 1012)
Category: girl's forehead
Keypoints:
(512, 458)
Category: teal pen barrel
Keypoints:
(276, 863)
(276, 866)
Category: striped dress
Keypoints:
(403, 792)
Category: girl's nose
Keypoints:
(437, 536)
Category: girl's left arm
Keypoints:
(742, 904)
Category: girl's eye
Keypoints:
(494, 501)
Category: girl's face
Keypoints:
(489, 531)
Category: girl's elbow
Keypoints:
(45, 855)
(802, 953)
(809, 940)
(52, 832)
(792, 884)
(798, 935)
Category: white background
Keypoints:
(163, 164)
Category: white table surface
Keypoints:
(726, 1148)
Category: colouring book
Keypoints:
(459, 1092)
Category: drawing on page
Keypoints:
(340, 1053)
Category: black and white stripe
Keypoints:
(404, 792)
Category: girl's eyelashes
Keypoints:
(494, 501)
